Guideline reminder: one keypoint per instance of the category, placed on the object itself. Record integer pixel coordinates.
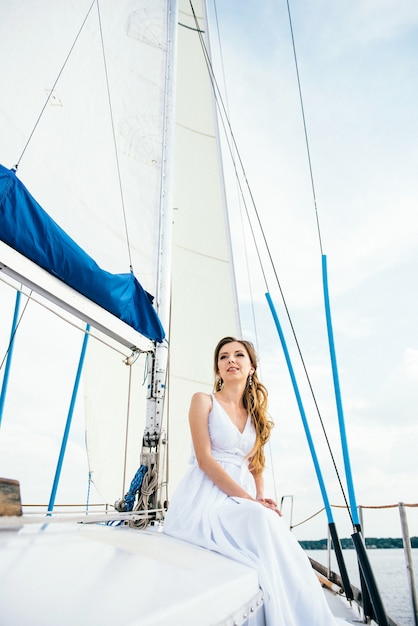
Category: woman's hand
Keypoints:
(270, 504)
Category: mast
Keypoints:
(158, 359)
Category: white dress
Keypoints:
(244, 530)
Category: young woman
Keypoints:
(220, 503)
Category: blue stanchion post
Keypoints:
(9, 355)
(372, 603)
(331, 524)
(301, 410)
(337, 391)
(68, 423)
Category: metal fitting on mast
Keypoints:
(157, 374)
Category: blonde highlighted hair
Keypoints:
(255, 400)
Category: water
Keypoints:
(390, 574)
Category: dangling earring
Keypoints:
(250, 380)
(219, 384)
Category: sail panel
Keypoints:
(94, 158)
(114, 401)
(27, 228)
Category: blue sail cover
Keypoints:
(27, 228)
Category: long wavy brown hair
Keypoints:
(255, 400)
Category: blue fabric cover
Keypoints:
(27, 228)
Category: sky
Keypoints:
(357, 63)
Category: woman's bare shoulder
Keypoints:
(202, 399)
(201, 403)
(200, 408)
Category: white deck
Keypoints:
(92, 574)
(342, 609)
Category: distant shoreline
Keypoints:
(347, 543)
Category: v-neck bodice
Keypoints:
(241, 432)
(225, 436)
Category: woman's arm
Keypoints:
(200, 408)
(259, 485)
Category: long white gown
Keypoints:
(244, 530)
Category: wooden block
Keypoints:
(10, 503)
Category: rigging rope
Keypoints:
(128, 404)
(231, 142)
(114, 139)
(304, 124)
(53, 86)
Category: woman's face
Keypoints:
(234, 362)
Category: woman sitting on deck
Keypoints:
(220, 502)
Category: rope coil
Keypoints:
(149, 484)
(127, 502)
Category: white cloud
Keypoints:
(410, 363)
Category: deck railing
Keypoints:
(401, 506)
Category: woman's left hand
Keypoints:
(270, 504)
